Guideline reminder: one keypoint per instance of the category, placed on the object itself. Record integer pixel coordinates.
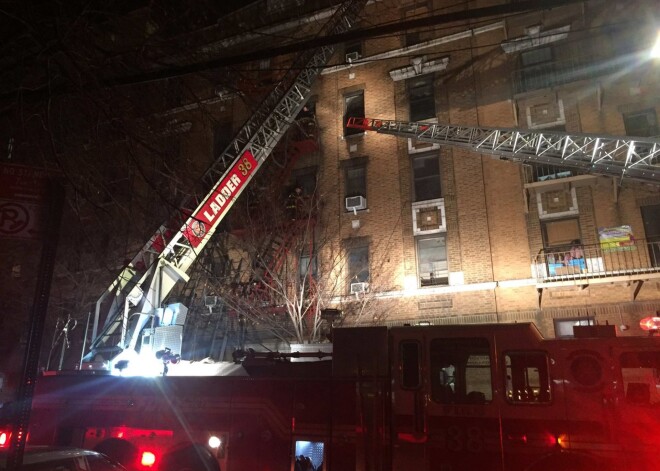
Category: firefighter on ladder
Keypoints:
(294, 203)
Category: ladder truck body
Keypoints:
(495, 397)
(129, 304)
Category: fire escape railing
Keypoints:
(590, 261)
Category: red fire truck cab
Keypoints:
(441, 398)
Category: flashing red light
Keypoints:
(650, 323)
(4, 439)
(148, 459)
(520, 438)
(551, 439)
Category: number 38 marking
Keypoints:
(458, 439)
(244, 167)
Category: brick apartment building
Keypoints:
(425, 234)
(443, 235)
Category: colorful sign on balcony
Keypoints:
(616, 239)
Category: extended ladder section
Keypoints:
(622, 157)
(129, 303)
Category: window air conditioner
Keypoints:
(352, 56)
(359, 287)
(557, 203)
(356, 203)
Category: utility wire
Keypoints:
(179, 71)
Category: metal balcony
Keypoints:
(598, 263)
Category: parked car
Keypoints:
(42, 458)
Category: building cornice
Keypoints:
(411, 50)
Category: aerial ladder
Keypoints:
(130, 302)
(633, 158)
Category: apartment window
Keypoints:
(306, 179)
(353, 108)
(560, 234)
(432, 260)
(421, 97)
(355, 177)
(264, 64)
(641, 123)
(358, 264)
(418, 9)
(353, 51)
(426, 177)
(564, 327)
(562, 247)
(535, 56)
(307, 267)
(460, 371)
(536, 69)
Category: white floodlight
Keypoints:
(655, 52)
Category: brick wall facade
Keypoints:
(493, 227)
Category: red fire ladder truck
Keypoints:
(632, 158)
(130, 302)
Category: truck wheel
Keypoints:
(189, 457)
(119, 450)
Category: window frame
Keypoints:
(348, 132)
(532, 75)
(575, 320)
(353, 272)
(307, 262)
(361, 188)
(421, 97)
(559, 245)
(547, 376)
(426, 156)
(532, 52)
(354, 46)
(443, 280)
(654, 128)
(415, 9)
(305, 178)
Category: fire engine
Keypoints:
(445, 398)
(452, 397)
